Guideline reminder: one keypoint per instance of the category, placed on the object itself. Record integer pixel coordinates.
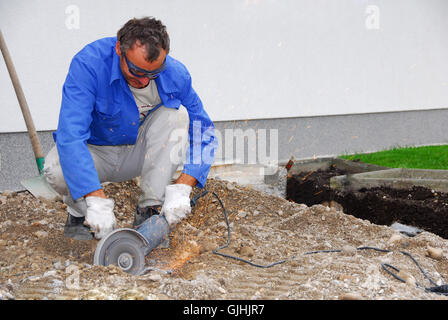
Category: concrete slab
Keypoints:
(269, 179)
(349, 166)
(353, 167)
(308, 165)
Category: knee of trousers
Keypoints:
(169, 120)
(53, 172)
(178, 118)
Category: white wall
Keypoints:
(250, 59)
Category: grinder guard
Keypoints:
(127, 248)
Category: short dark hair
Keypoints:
(149, 31)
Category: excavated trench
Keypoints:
(419, 207)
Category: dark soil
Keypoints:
(418, 207)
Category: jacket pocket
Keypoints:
(106, 112)
(106, 107)
(106, 126)
(108, 121)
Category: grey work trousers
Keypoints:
(159, 150)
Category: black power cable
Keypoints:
(443, 289)
(216, 251)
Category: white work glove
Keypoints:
(177, 202)
(100, 216)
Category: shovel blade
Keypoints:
(39, 187)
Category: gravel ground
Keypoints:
(37, 262)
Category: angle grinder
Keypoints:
(127, 248)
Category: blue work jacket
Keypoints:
(98, 108)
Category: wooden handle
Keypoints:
(37, 148)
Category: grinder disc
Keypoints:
(124, 248)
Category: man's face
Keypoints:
(136, 55)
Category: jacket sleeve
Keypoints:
(78, 101)
(202, 138)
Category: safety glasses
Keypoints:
(142, 73)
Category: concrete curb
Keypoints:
(351, 167)
(397, 178)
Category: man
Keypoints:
(121, 118)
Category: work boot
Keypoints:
(142, 214)
(75, 228)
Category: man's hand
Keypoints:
(177, 202)
(100, 215)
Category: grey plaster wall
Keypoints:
(304, 137)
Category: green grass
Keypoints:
(428, 157)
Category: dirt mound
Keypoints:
(418, 207)
(37, 262)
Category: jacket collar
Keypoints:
(115, 73)
(165, 79)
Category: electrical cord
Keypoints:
(322, 251)
(442, 289)
(216, 251)
(205, 192)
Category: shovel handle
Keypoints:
(37, 148)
